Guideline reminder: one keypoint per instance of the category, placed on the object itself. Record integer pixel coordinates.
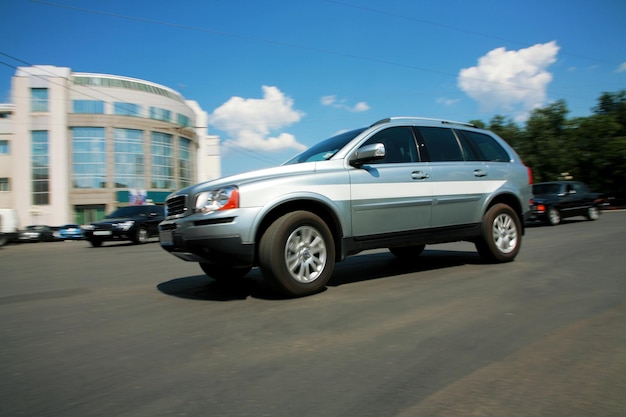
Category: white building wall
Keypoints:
(6, 165)
(208, 160)
(58, 211)
(21, 151)
(54, 121)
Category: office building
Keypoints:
(73, 146)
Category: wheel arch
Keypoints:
(317, 207)
(510, 200)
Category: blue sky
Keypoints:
(279, 76)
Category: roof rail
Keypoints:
(409, 118)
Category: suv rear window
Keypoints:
(441, 144)
(486, 148)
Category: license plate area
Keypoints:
(165, 237)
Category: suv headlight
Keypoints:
(125, 225)
(215, 200)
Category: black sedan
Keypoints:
(556, 200)
(36, 233)
(134, 223)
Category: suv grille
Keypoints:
(176, 206)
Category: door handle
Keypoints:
(480, 173)
(419, 175)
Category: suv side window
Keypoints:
(486, 147)
(399, 145)
(441, 144)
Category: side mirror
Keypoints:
(367, 153)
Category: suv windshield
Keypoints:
(325, 149)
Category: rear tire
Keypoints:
(297, 253)
(554, 216)
(501, 234)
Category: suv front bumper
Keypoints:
(204, 243)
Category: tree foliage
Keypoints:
(590, 149)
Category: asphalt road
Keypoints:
(130, 331)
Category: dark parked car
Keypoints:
(554, 201)
(69, 232)
(134, 223)
(36, 233)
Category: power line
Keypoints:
(315, 49)
(231, 145)
(453, 28)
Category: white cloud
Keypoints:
(622, 67)
(447, 101)
(512, 81)
(360, 107)
(328, 100)
(331, 100)
(250, 122)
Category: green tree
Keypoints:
(507, 130)
(544, 148)
(593, 143)
(591, 149)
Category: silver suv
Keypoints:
(401, 183)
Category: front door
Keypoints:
(393, 194)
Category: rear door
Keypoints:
(467, 167)
(393, 194)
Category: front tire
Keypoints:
(297, 253)
(96, 243)
(501, 234)
(593, 213)
(141, 236)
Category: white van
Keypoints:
(9, 226)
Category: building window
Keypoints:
(129, 159)
(5, 149)
(39, 99)
(162, 161)
(183, 120)
(85, 214)
(131, 85)
(158, 113)
(88, 157)
(126, 109)
(184, 163)
(5, 185)
(88, 106)
(40, 167)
